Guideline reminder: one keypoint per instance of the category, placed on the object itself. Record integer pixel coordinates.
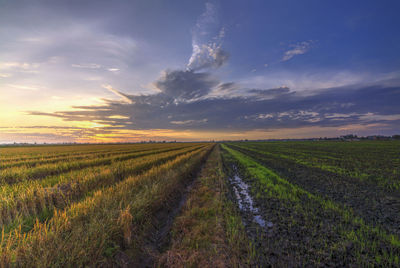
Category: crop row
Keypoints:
(14, 175)
(33, 152)
(111, 220)
(10, 192)
(379, 163)
(55, 153)
(22, 206)
(376, 205)
(65, 158)
(310, 229)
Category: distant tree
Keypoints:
(396, 137)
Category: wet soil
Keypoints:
(257, 224)
(376, 206)
(245, 201)
(303, 233)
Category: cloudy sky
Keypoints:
(109, 71)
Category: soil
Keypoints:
(376, 206)
(304, 233)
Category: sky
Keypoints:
(128, 71)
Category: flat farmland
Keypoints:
(65, 205)
(328, 203)
(235, 204)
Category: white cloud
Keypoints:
(113, 69)
(87, 66)
(379, 117)
(298, 49)
(25, 87)
(189, 122)
(301, 81)
(18, 66)
(265, 116)
(207, 39)
(73, 59)
(302, 115)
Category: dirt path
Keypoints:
(209, 231)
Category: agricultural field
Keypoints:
(236, 204)
(325, 203)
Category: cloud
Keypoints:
(5, 75)
(73, 56)
(18, 67)
(295, 115)
(207, 38)
(302, 80)
(298, 49)
(118, 117)
(269, 93)
(263, 109)
(113, 69)
(87, 66)
(189, 98)
(124, 97)
(227, 88)
(379, 117)
(185, 85)
(25, 87)
(189, 122)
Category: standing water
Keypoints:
(245, 201)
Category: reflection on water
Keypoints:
(245, 201)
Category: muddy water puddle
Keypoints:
(245, 201)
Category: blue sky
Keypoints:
(190, 70)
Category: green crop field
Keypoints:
(235, 204)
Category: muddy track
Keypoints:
(258, 227)
(268, 233)
(158, 238)
(373, 204)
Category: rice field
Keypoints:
(328, 203)
(237, 204)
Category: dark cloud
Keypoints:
(185, 85)
(101, 116)
(227, 86)
(183, 103)
(273, 92)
